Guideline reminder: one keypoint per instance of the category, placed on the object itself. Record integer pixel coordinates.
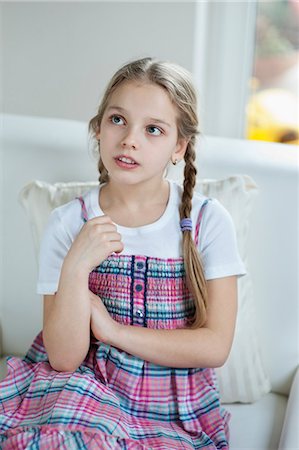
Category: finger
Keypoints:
(100, 220)
(116, 247)
(93, 295)
(99, 240)
(112, 236)
(98, 232)
(103, 228)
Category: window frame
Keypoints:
(223, 64)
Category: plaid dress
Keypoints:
(115, 400)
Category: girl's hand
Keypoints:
(101, 323)
(97, 240)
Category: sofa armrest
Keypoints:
(290, 432)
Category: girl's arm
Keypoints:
(66, 328)
(66, 322)
(208, 346)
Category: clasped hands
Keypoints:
(102, 325)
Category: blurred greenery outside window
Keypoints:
(272, 109)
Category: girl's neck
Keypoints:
(133, 205)
(133, 196)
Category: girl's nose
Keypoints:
(129, 141)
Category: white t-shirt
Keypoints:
(161, 239)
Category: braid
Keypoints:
(194, 270)
(103, 177)
(190, 172)
(94, 127)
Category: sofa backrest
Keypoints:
(58, 150)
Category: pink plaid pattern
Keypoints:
(115, 400)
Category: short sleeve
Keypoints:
(55, 243)
(218, 243)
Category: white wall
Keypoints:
(1, 57)
(59, 56)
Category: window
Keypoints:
(239, 47)
(272, 113)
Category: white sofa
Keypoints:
(58, 150)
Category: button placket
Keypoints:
(139, 292)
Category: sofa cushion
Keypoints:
(243, 377)
(3, 368)
(257, 426)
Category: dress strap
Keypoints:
(198, 222)
(83, 209)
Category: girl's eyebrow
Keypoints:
(119, 108)
(152, 119)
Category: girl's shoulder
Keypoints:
(213, 208)
(177, 188)
(69, 215)
(214, 218)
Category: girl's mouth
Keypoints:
(126, 162)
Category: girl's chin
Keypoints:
(124, 179)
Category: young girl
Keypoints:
(139, 278)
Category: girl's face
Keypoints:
(138, 134)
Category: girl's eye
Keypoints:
(117, 120)
(154, 131)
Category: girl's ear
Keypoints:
(180, 151)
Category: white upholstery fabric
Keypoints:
(3, 368)
(243, 377)
(290, 432)
(257, 426)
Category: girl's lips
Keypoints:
(126, 162)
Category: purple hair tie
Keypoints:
(186, 224)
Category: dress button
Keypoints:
(139, 313)
(139, 265)
(138, 287)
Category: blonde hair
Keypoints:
(178, 84)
